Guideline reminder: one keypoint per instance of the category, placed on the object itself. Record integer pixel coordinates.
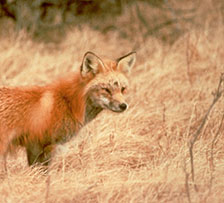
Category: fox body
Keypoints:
(40, 117)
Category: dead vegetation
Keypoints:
(146, 153)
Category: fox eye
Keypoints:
(107, 90)
(123, 89)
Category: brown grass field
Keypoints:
(141, 155)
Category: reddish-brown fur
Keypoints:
(23, 116)
(41, 116)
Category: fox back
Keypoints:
(40, 117)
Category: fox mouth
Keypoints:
(118, 109)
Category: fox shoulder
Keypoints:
(41, 113)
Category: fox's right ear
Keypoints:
(90, 65)
(126, 62)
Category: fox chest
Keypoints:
(69, 127)
(64, 131)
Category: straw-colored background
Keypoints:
(141, 155)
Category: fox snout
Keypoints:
(117, 107)
(114, 102)
(117, 103)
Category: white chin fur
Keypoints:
(105, 100)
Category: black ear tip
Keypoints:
(132, 53)
(90, 53)
(127, 55)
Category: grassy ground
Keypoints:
(141, 155)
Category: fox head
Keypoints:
(107, 80)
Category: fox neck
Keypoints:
(91, 110)
(72, 93)
(82, 108)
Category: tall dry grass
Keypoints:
(141, 155)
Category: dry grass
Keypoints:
(141, 155)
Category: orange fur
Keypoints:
(41, 116)
(38, 110)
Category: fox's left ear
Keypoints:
(125, 63)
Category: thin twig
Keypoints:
(212, 154)
(217, 96)
(187, 182)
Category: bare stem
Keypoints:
(217, 96)
(212, 153)
(187, 182)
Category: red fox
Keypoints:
(40, 117)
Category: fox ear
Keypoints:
(125, 63)
(90, 64)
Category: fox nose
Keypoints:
(123, 106)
